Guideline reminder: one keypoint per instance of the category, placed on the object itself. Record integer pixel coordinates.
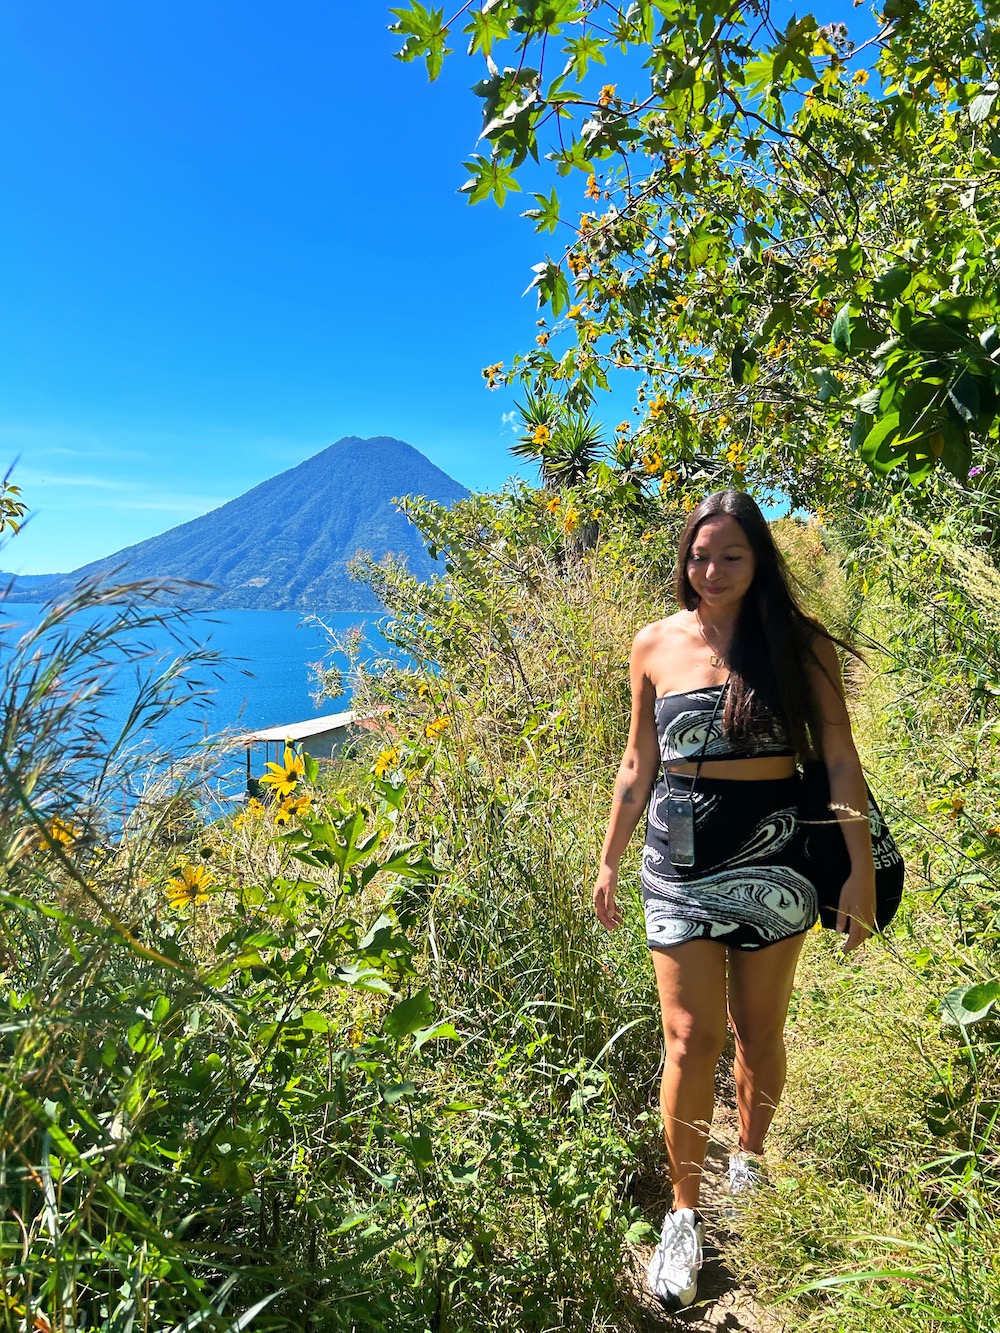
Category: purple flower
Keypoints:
(975, 471)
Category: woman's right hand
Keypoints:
(605, 902)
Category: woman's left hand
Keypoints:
(856, 910)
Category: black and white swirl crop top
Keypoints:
(683, 718)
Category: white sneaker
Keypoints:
(745, 1173)
(673, 1269)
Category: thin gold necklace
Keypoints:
(716, 659)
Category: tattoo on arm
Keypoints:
(625, 794)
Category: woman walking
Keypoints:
(726, 694)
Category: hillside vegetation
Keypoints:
(360, 1058)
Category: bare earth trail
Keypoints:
(723, 1306)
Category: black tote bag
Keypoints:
(827, 855)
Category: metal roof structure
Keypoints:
(299, 731)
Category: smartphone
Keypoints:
(680, 830)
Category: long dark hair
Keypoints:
(773, 639)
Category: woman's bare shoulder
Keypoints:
(654, 636)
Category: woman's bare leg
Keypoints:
(691, 980)
(760, 987)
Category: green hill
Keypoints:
(285, 544)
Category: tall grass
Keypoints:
(376, 1067)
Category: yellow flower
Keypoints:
(190, 885)
(493, 375)
(59, 834)
(542, 339)
(622, 427)
(734, 454)
(723, 423)
(593, 190)
(860, 78)
(575, 311)
(386, 759)
(571, 519)
(652, 463)
(993, 832)
(437, 726)
(957, 806)
(669, 480)
(300, 806)
(283, 777)
(607, 92)
(553, 505)
(657, 407)
(689, 503)
(541, 434)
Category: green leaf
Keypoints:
(963, 396)
(425, 36)
(956, 450)
(827, 384)
(742, 363)
(840, 333)
(552, 285)
(409, 1015)
(877, 447)
(966, 1005)
(964, 307)
(397, 1092)
(982, 104)
(437, 1032)
(891, 284)
(546, 215)
(490, 177)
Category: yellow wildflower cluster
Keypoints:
(436, 727)
(668, 481)
(689, 502)
(250, 812)
(576, 262)
(587, 221)
(541, 435)
(623, 427)
(188, 885)
(593, 190)
(779, 348)
(653, 462)
(493, 375)
(386, 760)
(553, 505)
(575, 311)
(542, 339)
(607, 93)
(571, 519)
(734, 454)
(860, 78)
(825, 309)
(284, 776)
(657, 407)
(59, 834)
(723, 423)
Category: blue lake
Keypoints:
(264, 679)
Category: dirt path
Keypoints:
(723, 1306)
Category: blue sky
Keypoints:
(230, 236)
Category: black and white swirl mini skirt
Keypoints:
(749, 886)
